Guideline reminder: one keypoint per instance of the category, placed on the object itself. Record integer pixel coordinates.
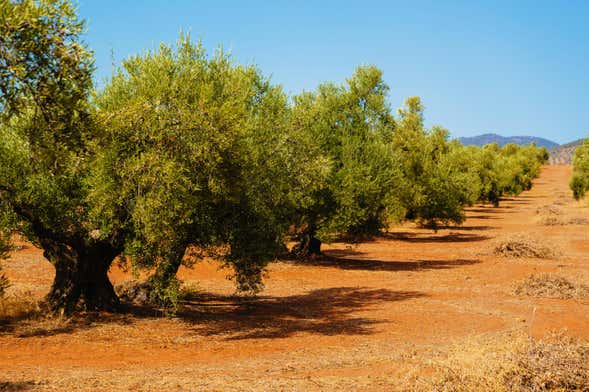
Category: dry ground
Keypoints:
(368, 317)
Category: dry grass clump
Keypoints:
(556, 363)
(578, 220)
(523, 245)
(555, 220)
(18, 306)
(551, 220)
(553, 215)
(561, 200)
(551, 286)
(22, 315)
(549, 209)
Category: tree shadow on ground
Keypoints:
(17, 386)
(490, 210)
(39, 324)
(346, 259)
(433, 238)
(516, 202)
(468, 227)
(469, 216)
(329, 312)
(424, 236)
(532, 197)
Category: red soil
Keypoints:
(355, 320)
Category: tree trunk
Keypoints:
(308, 245)
(81, 278)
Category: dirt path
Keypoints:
(356, 321)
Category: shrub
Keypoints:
(437, 179)
(19, 306)
(507, 170)
(578, 185)
(580, 180)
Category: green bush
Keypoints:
(580, 180)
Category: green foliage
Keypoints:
(165, 294)
(197, 150)
(350, 125)
(521, 165)
(508, 170)
(45, 77)
(437, 181)
(4, 248)
(181, 149)
(580, 180)
(47, 136)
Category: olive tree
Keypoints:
(351, 125)
(46, 136)
(436, 180)
(197, 151)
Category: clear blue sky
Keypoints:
(513, 67)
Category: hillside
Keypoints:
(564, 154)
(487, 138)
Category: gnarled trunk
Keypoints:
(308, 245)
(81, 278)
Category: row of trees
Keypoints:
(580, 180)
(181, 150)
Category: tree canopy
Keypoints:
(198, 151)
(350, 126)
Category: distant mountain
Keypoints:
(502, 140)
(564, 154)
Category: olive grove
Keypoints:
(184, 150)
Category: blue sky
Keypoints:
(513, 67)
